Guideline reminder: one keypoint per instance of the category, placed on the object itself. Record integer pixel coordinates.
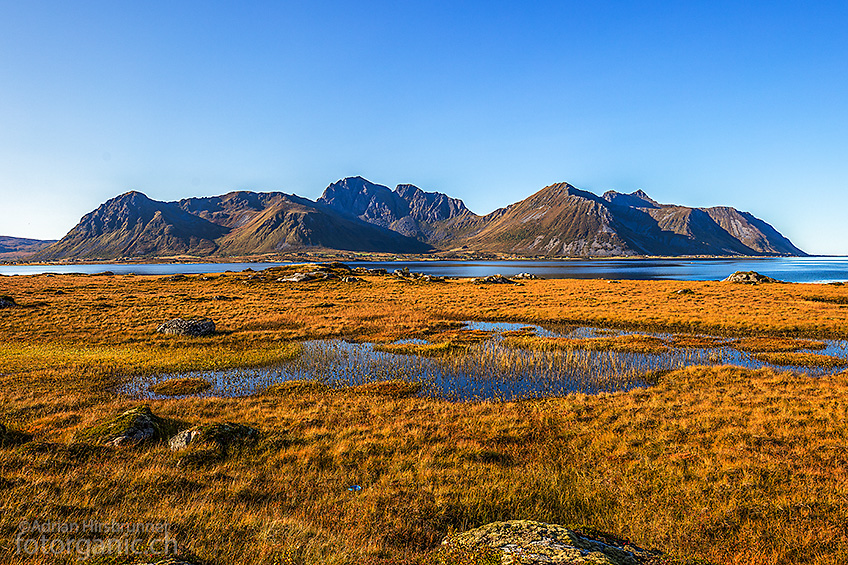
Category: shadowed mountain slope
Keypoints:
(132, 225)
(238, 223)
(561, 220)
(407, 210)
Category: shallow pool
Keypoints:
(488, 370)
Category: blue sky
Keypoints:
(697, 103)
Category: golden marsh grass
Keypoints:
(718, 463)
(628, 343)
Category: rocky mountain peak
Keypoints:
(361, 198)
(636, 199)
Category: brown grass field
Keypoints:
(712, 464)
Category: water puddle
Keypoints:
(491, 369)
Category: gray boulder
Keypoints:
(297, 277)
(534, 543)
(7, 302)
(183, 439)
(193, 327)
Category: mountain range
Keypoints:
(355, 214)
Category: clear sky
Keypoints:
(698, 103)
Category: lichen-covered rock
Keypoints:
(297, 277)
(133, 427)
(749, 277)
(194, 327)
(525, 276)
(220, 435)
(7, 302)
(533, 543)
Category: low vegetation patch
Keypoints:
(699, 342)
(793, 359)
(296, 387)
(395, 388)
(776, 344)
(181, 386)
(634, 343)
(463, 337)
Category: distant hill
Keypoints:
(21, 247)
(355, 214)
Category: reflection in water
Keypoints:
(487, 371)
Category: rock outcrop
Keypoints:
(7, 302)
(749, 277)
(535, 543)
(195, 327)
(493, 279)
(133, 427)
(221, 436)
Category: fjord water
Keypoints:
(789, 269)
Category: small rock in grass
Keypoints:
(195, 327)
(7, 302)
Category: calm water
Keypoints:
(790, 269)
(490, 370)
